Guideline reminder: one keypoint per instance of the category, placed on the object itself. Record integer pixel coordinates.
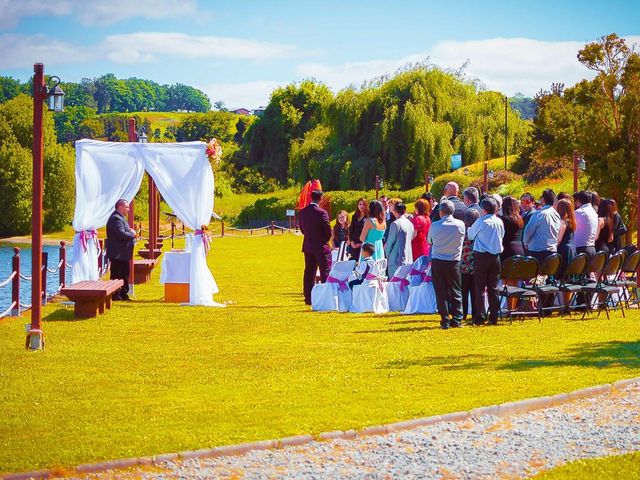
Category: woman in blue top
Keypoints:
(374, 229)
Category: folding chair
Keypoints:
(422, 295)
(334, 294)
(518, 269)
(570, 284)
(371, 295)
(548, 293)
(628, 279)
(605, 287)
(398, 288)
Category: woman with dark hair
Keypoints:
(421, 225)
(619, 228)
(340, 231)
(566, 243)
(605, 226)
(374, 229)
(513, 225)
(355, 229)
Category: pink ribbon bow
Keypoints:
(342, 284)
(206, 241)
(371, 276)
(86, 235)
(404, 283)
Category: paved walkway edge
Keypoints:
(502, 410)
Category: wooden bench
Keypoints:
(142, 270)
(146, 253)
(91, 297)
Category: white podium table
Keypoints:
(175, 276)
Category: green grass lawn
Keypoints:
(149, 377)
(611, 468)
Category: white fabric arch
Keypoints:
(108, 171)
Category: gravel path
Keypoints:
(489, 447)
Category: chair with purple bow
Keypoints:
(371, 295)
(398, 288)
(422, 296)
(334, 294)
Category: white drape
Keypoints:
(107, 171)
(184, 178)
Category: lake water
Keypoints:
(6, 255)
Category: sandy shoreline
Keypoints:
(26, 240)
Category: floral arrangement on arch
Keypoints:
(214, 150)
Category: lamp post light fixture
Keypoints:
(506, 130)
(579, 164)
(55, 96)
(582, 165)
(142, 136)
(379, 185)
(428, 181)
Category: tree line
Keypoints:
(600, 118)
(397, 127)
(109, 94)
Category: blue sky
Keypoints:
(239, 51)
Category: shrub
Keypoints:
(266, 209)
(250, 180)
(441, 181)
(500, 178)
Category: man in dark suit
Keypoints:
(314, 225)
(451, 192)
(120, 239)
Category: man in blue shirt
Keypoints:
(540, 236)
(446, 236)
(487, 233)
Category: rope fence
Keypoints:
(15, 278)
(17, 307)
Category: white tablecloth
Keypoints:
(175, 267)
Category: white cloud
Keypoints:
(509, 65)
(149, 46)
(22, 51)
(101, 12)
(249, 95)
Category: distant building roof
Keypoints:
(241, 111)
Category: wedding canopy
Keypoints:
(108, 171)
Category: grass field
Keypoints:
(149, 377)
(620, 467)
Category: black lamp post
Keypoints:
(506, 130)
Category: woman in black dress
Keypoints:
(604, 241)
(355, 229)
(566, 243)
(513, 224)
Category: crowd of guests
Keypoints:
(468, 237)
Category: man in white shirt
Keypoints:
(446, 237)
(586, 224)
(487, 233)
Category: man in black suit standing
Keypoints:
(120, 239)
(451, 192)
(314, 225)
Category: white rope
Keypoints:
(24, 277)
(13, 274)
(8, 310)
